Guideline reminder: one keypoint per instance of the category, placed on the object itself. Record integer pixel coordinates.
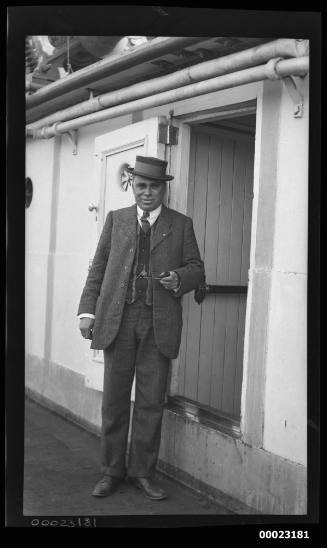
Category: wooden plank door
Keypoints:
(112, 151)
(220, 203)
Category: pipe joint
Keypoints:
(98, 103)
(44, 133)
(54, 129)
(271, 69)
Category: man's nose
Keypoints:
(147, 191)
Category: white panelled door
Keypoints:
(109, 192)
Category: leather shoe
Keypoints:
(106, 486)
(149, 488)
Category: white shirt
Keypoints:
(152, 219)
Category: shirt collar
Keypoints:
(153, 214)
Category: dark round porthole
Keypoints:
(28, 191)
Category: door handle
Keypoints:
(226, 288)
(92, 207)
(203, 290)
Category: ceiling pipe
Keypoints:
(32, 86)
(110, 65)
(201, 71)
(273, 69)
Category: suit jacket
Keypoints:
(173, 247)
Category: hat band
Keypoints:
(149, 171)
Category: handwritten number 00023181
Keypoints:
(78, 522)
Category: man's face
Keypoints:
(148, 193)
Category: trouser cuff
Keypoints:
(139, 474)
(114, 472)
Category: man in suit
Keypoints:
(147, 258)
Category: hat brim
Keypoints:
(164, 178)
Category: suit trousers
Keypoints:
(133, 351)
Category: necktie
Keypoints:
(145, 222)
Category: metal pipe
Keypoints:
(33, 86)
(274, 69)
(110, 65)
(201, 71)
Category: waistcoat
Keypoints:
(138, 287)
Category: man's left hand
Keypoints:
(171, 281)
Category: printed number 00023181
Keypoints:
(268, 534)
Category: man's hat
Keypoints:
(150, 167)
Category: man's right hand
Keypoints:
(85, 326)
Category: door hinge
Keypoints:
(168, 134)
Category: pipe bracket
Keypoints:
(73, 137)
(295, 95)
(271, 70)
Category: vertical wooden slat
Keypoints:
(245, 260)
(200, 189)
(239, 357)
(248, 199)
(210, 259)
(230, 354)
(199, 219)
(186, 298)
(183, 347)
(236, 239)
(218, 354)
(224, 226)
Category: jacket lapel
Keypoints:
(163, 227)
(127, 224)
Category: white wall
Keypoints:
(286, 365)
(39, 167)
(74, 232)
(58, 221)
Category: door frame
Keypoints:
(179, 167)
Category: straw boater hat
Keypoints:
(150, 167)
